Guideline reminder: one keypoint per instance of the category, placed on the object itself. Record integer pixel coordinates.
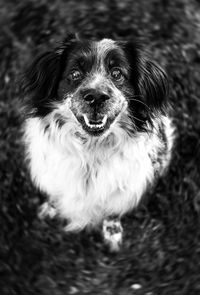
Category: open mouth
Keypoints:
(95, 127)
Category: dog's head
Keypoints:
(99, 82)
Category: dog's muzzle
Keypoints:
(94, 119)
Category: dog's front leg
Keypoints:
(112, 233)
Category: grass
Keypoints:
(161, 251)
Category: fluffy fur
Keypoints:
(90, 169)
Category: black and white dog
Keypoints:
(97, 130)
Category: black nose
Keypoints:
(95, 97)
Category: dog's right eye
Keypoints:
(75, 75)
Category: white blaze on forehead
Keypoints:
(101, 48)
(104, 46)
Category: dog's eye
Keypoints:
(75, 75)
(116, 74)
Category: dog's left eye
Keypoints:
(116, 74)
(75, 75)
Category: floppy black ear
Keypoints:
(148, 79)
(152, 83)
(40, 82)
(40, 78)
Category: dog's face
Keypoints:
(99, 82)
(95, 81)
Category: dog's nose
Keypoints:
(94, 97)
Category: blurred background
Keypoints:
(161, 251)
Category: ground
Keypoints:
(161, 251)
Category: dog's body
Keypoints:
(97, 132)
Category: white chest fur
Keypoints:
(88, 180)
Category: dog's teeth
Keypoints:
(95, 126)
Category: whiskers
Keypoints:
(132, 98)
(134, 122)
(131, 116)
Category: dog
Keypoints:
(97, 131)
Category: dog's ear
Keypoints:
(40, 82)
(152, 83)
(40, 78)
(149, 80)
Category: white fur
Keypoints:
(90, 178)
(103, 46)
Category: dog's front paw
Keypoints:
(46, 210)
(112, 234)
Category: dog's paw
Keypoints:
(46, 210)
(112, 234)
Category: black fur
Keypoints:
(149, 82)
(40, 82)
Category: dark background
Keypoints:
(161, 251)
